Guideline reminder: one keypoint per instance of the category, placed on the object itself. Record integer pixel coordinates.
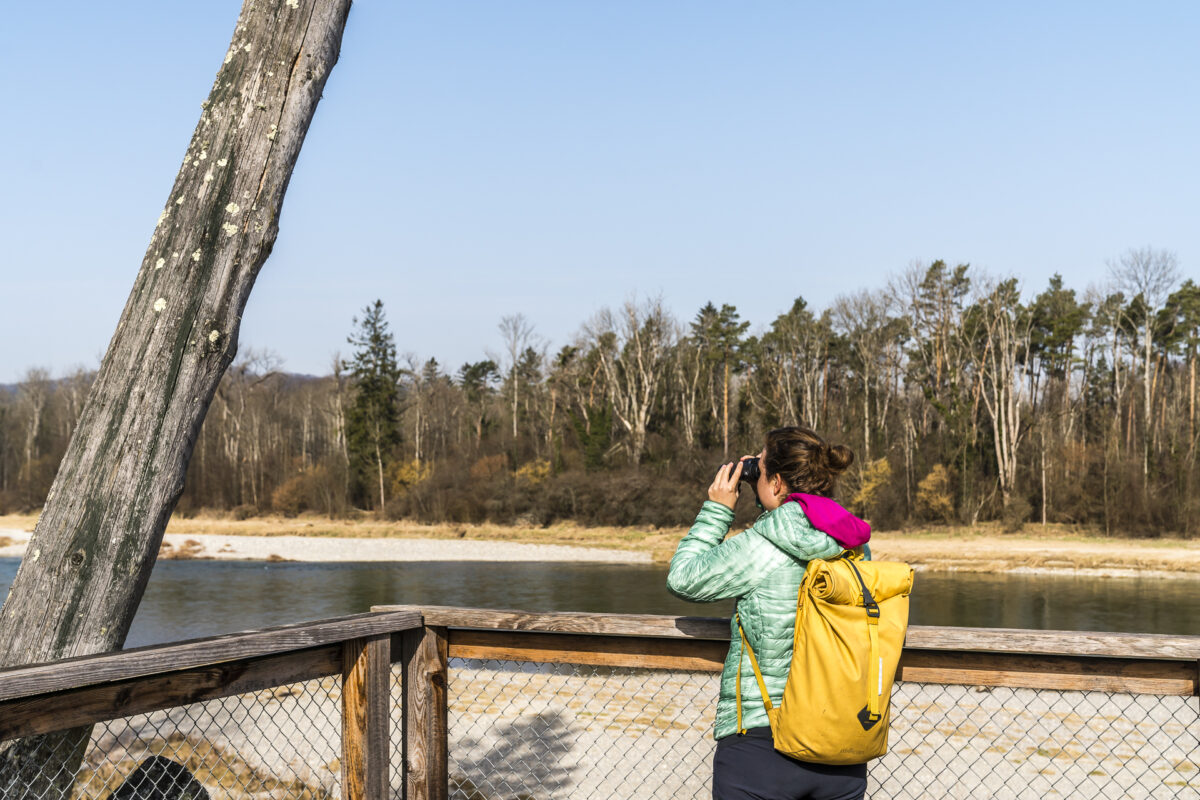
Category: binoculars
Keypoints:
(750, 470)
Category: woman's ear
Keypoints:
(777, 487)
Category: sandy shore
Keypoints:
(302, 548)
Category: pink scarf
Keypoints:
(829, 517)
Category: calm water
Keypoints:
(187, 599)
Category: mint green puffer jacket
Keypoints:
(762, 568)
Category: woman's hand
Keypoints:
(724, 489)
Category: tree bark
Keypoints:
(97, 538)
(1192, 401)
(725, 411)
(1147, 411)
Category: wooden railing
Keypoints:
(82, 691)
(1112, 662)
(362, 649)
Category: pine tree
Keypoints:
(478, 382)
(721, 333)
(373, 419)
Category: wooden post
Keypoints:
(426, 771)
(98, 535)
(366, 717)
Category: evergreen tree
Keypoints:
(478, 382)
(373, 418)
(1179, 328)
(720, 333)
(1058, 321)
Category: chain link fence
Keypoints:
(281, 743)
(530, 731)
(520, 731)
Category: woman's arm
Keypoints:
(706, 569)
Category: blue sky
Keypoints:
(476, 159)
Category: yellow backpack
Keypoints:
(851, 617)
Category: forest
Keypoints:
(964, 399)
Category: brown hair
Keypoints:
(804, 460)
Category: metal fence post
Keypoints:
(366, 713)
(425, 653)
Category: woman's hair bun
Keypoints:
(839, 457)
(804, 461)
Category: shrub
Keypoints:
(291, 497)
(934, 499)
(1015, 514)
(244, 511)
(875, 478)
(488, 467)
(534, 472)
(313, 489)
(407, 474)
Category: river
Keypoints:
(188, 599)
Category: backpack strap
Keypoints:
(875, 665)
(762, 686)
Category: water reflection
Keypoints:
(187, 599)
(1044, 602)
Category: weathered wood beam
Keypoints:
(366, 718)
(1025, 671)
(45, 713)
(700, 655)
(96, 541)
(110, 667)
(1019, 670)
(571, 622)
(93, 547)
(999, 640)
(425, 656)
(1066, 643)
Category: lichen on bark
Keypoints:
(123, 471)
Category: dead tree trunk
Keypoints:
(96, 541)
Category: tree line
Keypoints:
(963, 400)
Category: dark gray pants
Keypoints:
(748, 767)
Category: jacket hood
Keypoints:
(830, 518)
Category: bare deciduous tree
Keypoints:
(1000, 329)
(32, 397)
(1149, 274)
(517, 333)
(862, 318)
(633, 346)
(689, 368)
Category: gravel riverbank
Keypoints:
(346, 549)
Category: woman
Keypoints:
(763, 568)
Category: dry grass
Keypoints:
(1057, 548)
(18, 522)
(5, 541)
(187, 551)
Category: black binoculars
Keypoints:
(750, 470)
